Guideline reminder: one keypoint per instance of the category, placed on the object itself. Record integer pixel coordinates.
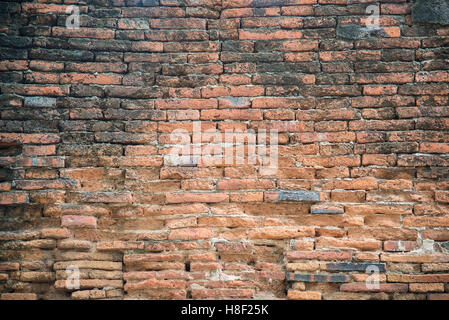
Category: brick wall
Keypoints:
(87, 118)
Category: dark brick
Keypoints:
(354, 266)
(317, 277)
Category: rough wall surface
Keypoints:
(87, 114)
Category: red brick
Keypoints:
(382, 287)
(304, 295)
(13, 198)
(79, 221)
(190, 234)
(318, 255)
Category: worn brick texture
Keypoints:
(362, 188)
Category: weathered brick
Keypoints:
(382, 287)
(196, 197)
(86, 132)
(79, 221)
(18, 296)
(281, 233)
(190, 234)
(304, 295)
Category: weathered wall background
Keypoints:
(86, 116)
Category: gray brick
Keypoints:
(299, 195)
(326, 211)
